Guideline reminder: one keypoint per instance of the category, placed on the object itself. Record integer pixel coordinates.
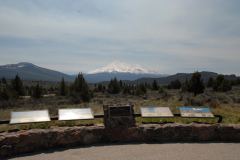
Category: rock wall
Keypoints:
(15, 143)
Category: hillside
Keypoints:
(106, 76)
(28, 71)
(182, 77)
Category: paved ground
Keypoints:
(206, 151)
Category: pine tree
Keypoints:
(210, 82)
(218, 82)
(114, 86)
(126, 89)
(155, 85)
(63, 88)
(222, 84)
(140, 89)
(226, 86)
(185, 86)
(175, 84)
(17, 86)
(196, 84)
(238, 81)
(80, 88)
(161, 90)
(101, 88)
(4, 95)
(4, 81)
(37, 91)
(120, 83)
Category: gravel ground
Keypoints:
(175, 151)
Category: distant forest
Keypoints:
(81, 91)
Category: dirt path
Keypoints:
(185, 151)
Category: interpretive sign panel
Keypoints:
(29, 116)
(119, 116)
(75, 114)
(196, 112)
(120, 111)
(156, 112)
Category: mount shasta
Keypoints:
(122, 71)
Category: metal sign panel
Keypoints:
(29, 116)
(75, 114)
(196, 112)
(156, 112)
(118, 111)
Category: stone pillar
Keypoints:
(119, 116)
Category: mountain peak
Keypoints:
(117, 66)
(18, 65)
(29, 71)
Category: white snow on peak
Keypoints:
(18, 65)
(121, 67)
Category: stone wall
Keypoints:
(15, 143)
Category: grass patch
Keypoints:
(46, 125)
(227, 105)
(141, 120)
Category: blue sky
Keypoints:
(81, 35)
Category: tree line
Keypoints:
(196, 84)
(14, 89)
(79, 90)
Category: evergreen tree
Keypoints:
(63, 88)
(154, 85)
(238, 81)
(161, 90)
(37, 91)
(176, 84)
(120, 84)
(210, 82)
(140, 89)
(80, 89)
(226, 86)
(4, 95)
(114, 86)
(4, 81)
(185, 86)
(196, 84)
(101, 88)
(222, 84)
(126, 89)
(17, 86)
(218, 82)
(27, 91)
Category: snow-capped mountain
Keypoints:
(121, 71)
(120, 67)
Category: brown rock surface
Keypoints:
(37, 139)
